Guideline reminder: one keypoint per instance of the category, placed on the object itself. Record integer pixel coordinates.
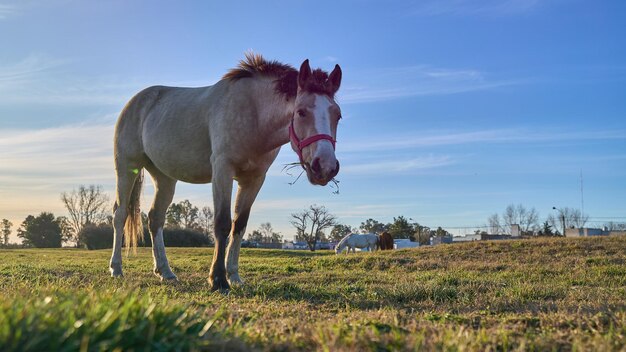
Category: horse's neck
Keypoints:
(274, 113)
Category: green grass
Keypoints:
(553, 294)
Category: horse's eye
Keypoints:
(339, 117)
(301, 113)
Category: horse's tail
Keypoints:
(133, 229)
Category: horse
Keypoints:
(385, 241)
(353, 241)
(230, 131)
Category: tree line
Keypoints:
(311, 223)
(89, 224)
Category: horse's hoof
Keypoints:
(165, 275)
(219, 284)
(116, 271)
(235, 280)
(171, 277)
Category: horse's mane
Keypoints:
(286, 76)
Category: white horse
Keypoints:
(353, 241)
(232, 130)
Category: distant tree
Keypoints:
(269, 234)
(339, 231)
(5, 231)
(255, 236)
(42, 231)
(546, 230)
(205, 222)
(182, 215)
(527, 219)
(265, 234)
(494, 224)
(311, 223)
(67, 231)
(96, 236)
(422, 234)
(440, 232)
(85, 205)
(372, 226)
(179, 238)
(401, 228)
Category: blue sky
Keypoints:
(452, 109)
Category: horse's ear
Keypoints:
(304, 74)
(334, 80)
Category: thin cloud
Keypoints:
(418, 80)
(7, 11)
(26, 71)
(397, 166)
(433, 139)
(55, 156)
(43, 80)
(475, 8)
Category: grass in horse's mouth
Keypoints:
(288, 167)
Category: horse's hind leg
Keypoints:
(164, 193)
(124, 188)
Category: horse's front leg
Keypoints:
(246, 194)
(222, 188)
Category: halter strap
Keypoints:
(301, 144)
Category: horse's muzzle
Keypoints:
(320, 175)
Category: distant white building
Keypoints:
(588, 232)
(404, 243)
(467, 238)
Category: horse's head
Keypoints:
(313, 129)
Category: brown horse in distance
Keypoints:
(385, 241)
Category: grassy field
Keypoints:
(554, 294)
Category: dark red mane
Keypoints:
(318, 83)
(286, 82)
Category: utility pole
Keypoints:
(562, 216)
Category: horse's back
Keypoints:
(168, 127)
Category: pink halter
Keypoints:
(301, 144)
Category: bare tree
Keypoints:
(567, 218)
(86, 205)
(5, 229)
(495, 225)
(527, 219)
(311, 223)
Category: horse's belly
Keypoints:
(182, 168)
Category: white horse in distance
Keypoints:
(354, 240)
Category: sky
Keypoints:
(453, 109)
